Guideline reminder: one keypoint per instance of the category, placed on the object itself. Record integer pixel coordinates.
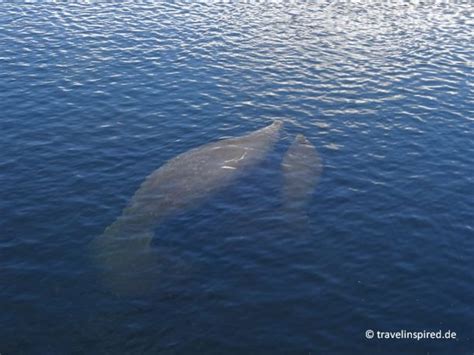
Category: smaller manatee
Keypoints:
(302, 169)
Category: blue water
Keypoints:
(94, 97)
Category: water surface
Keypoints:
(94, 97)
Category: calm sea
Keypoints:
(95, 96)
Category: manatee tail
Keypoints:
(125, 260)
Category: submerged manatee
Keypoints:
(123, 250)
(302, 168)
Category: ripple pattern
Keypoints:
(96, 95)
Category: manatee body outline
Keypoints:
(123, 250)
(302, 168)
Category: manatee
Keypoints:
(123, 250)
(302, 169)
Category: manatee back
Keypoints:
(195, 174)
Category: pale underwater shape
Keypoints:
(302, 168)
(123, 251)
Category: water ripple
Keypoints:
(94, 96)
